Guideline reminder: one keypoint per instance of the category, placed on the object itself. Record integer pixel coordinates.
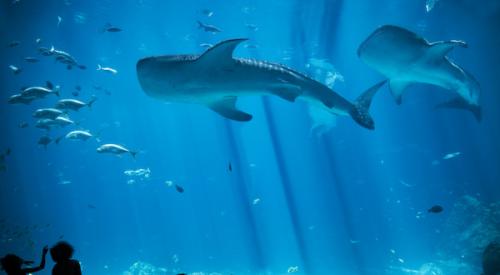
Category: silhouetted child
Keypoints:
(61, 253)
(12, 264)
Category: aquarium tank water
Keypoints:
(217, 137)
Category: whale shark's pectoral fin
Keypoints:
(442, 48)
(220, 54)
(460, 103)
(226, 107)
(397, 89)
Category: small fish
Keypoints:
(14, 43)
(115, 149)
(436, 209)
(58, 139)
(75, 93)
(50, 113)
(78, 88)
(14, 69)
(45, 140)
(251, 46)
(41, 92)
(179, 188)
(110, 28)
(208, 28)
(23, 125)
(38, 41)
(79, 135)
(252, 27)
(73, 104)
(256, 201)
(207, 12)
(452, 155)
(21, 99)
(91, 206)
(31, 59)
(59, 20)
(230, 167)
(169, 183)
(293, 269)
(206, 45)
(106, 69)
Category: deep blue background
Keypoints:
(330, 204)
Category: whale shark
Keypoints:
(406, 58)
(216, 80)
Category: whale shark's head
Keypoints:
(165, 76)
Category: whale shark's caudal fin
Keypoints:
(460, 103)
(226, 107)
(360, 112)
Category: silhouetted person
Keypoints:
(491, 259)
(12, 264)
(61, 253)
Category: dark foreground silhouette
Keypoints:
(13, 264)
(62, 253)
(491, 259)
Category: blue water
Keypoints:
(344, 201)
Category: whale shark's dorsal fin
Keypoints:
(442, 48)
(226, 107)
(220, 53)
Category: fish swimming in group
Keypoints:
(50, 113)
(14, 43)
(406, 58)
(206, 45)
(115, 149)
(451, 155)
(110, 28)
(74, 104)
(435, 209)
(207, 12)
(16, 70)
(61, 57)
(215, 79)
(106, 69)
(179, 188)
(20, 99)
(79, 135)
(41, 92)
(30, 59)
(208, 28)
(252, 27)
(45, 140)
(47, 123)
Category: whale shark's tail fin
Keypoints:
(460, 103)
(361, 111)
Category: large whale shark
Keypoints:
(215, 79)
(406, 58)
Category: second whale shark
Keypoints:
(215, 79)
(406, 58)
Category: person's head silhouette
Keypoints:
(61, 251)
(11, 263)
